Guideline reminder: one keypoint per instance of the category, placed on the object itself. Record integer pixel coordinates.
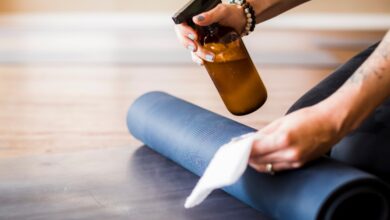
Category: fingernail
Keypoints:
(209, 57)
(191, 36)
(200, 18)
(199, 62)
(191, 47)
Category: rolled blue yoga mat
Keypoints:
(324, 189)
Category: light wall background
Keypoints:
(323, 6)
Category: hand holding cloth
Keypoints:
(324, 189)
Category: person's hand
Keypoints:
(294, 139)
(223, 14)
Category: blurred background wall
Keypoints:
(333, 6)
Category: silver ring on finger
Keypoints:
(269, 168)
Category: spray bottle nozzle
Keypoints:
(192, 8)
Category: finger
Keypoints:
(186, 31)
(271, 127)
(288, 155)
(267, 144)
(191, 45)
(225, 14)
(276, 167)
(214, 15)
(205, 54)
(196, 59)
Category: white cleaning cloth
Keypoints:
(226, 167)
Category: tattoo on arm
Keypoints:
(382, 54)
(359, 76)
(384, 50)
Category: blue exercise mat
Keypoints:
(324, 189)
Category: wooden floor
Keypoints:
(68, 89)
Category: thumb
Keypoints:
(215, 15)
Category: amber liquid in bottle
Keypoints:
(233, 72)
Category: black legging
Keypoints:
(367, 147)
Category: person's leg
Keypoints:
(368, 147)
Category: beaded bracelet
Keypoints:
(249, 13)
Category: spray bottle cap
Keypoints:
(192, 8)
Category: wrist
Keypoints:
(261, 5)
(337, 116)
(344, 112)
(247, 20)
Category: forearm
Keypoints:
(363, 92)
(266, 9)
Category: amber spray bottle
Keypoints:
(233, 72)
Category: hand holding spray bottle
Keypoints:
(233, 72)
